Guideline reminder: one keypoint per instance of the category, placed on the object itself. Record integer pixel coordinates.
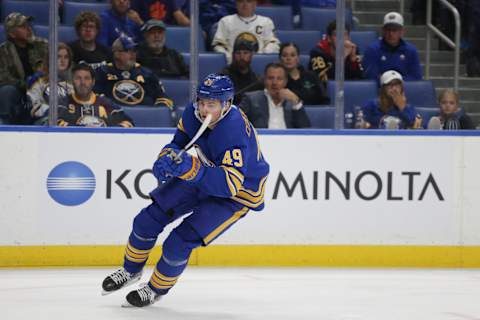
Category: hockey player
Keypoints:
(220, 186)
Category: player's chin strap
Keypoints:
(225, 110)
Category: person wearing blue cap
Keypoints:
(127, 83)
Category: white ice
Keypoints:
(249, 293)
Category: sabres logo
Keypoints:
(208, 82)
(128, 92)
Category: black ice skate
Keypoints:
(118, 280)
(142, 297)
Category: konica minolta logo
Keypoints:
(71, 183)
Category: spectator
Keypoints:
(85, 108)
(391, 52)
(153, 54)
(127, 83)
(451, 116)
(240, 71)
(20, 55)
(304, 84)
(276, 107)
(322, 57)
(211, 11)
(247, 25)
(391, 109)
(117, 21)
(39, 90)
(87, 49)
(166, 10)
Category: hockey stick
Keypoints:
(177, 158)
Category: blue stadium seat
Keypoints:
(357, 93)
(39, 10)
(319, 18)
(321, 117)
(259, 61)
(426, 114)
(363, 39)
(72, 9)
(280, 15)
(65, 33)
(304, 39)
(304, 59)
(147, 116)
(3, 36)
(208, 63)
(421, 93)
(178, 91)
(178, 38)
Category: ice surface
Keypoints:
(249, 293)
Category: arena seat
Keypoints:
(426, 114)
(321, 117)
(72, 9)
(39, 10)
(280, 15)
(148, 116)
(304, 39)
(178, 38)
(357, 93)
(65, 33)
(421, 93)
(363, 39)
(208, 63)
(178, 91)
(259, 61)
(319, 18)
(3, 36)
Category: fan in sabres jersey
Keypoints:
(218, 187)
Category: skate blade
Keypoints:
(106, 293)
(127, 304)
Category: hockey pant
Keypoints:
(209, 218)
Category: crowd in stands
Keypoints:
(120, 58)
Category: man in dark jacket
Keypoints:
(240, 71)
(20, 55)
(276, 107)
(153, 54)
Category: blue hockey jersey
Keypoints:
(235, 167)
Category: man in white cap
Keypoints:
(391, 52)
(391, 109)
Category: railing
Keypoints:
(401, 9)
(455, 45)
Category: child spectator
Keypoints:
(451, 116)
